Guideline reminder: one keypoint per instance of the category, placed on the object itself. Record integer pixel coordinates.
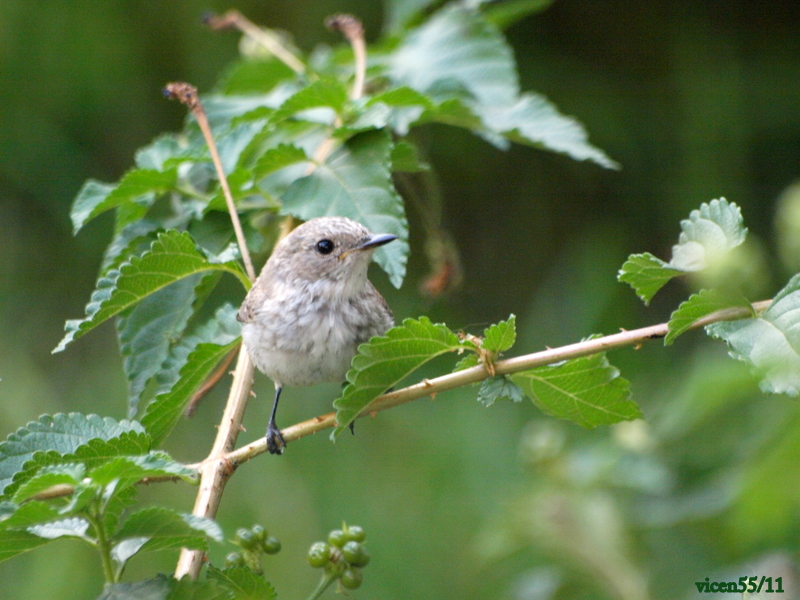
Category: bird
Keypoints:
(311, 306)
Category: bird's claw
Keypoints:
(275, 441)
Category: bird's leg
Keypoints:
(275, 441)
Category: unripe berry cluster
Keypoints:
(342, 556)
(254, 542)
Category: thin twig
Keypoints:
(352, 29)
(231, 459)
(265, 37)
(187, 94)
(216, 469)
(209, 383)
(431, 387)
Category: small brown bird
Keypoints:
(311, 306)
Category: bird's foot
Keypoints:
(275, 441)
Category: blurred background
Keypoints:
(696, 99)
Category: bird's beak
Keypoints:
(379, 239)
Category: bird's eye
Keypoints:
(324, 246)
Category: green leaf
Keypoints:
(399, 13)
(384, 361)
(504, 14)
(254, 76)
(769, 344)
(13, 542)
(13, 516)
(95, 198)
(71, 527)
(171, 258)
(47, 477)
(501, 336)
(698, 306)
(469, 361)
(243, 583)
(151, 589)
(587, 391)
(277, 158)
(356, 182)
(127, 470)
(149, 329)
(466, 58)
(646, 274)
(188, 366)
(322, 93)
(405, 159)
(457, 47)
(707, 235)
(498, 388)
(165, 528)
(534, 120)
(62, 433)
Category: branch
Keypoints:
(187, 94)
(265, 37)
(431, 387)
(351, 28)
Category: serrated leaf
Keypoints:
(646, 274)
(533, 120)
(322, 93)
(355, 182)
(710, 231)
(501, 336)
(770, 343)
(190, 363)
(71, 527)
(696, 307)
(13, 542)
(13, 516)
(149, 329)
(47, 477)
(385, 360)
(172, 257)
(233, 143)
(467, 58)
(165, 528)
(498, 388)
(587, 391)
(127, 470)
(95, 198)
(62, 434)
(186, 589)
(277, 158)
(243, 583)
(469, 361)
(151, 589)
(457, 45)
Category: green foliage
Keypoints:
(587, 391)
(698, 306)
(769, 344)
(707, 236)
(385, 360)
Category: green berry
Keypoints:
(246, 539)
(337, 538)
(234, 559)
(259, 532)
(319, 555)
(352, 578)
(355, 554)
(271, 545)
(355, 533)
